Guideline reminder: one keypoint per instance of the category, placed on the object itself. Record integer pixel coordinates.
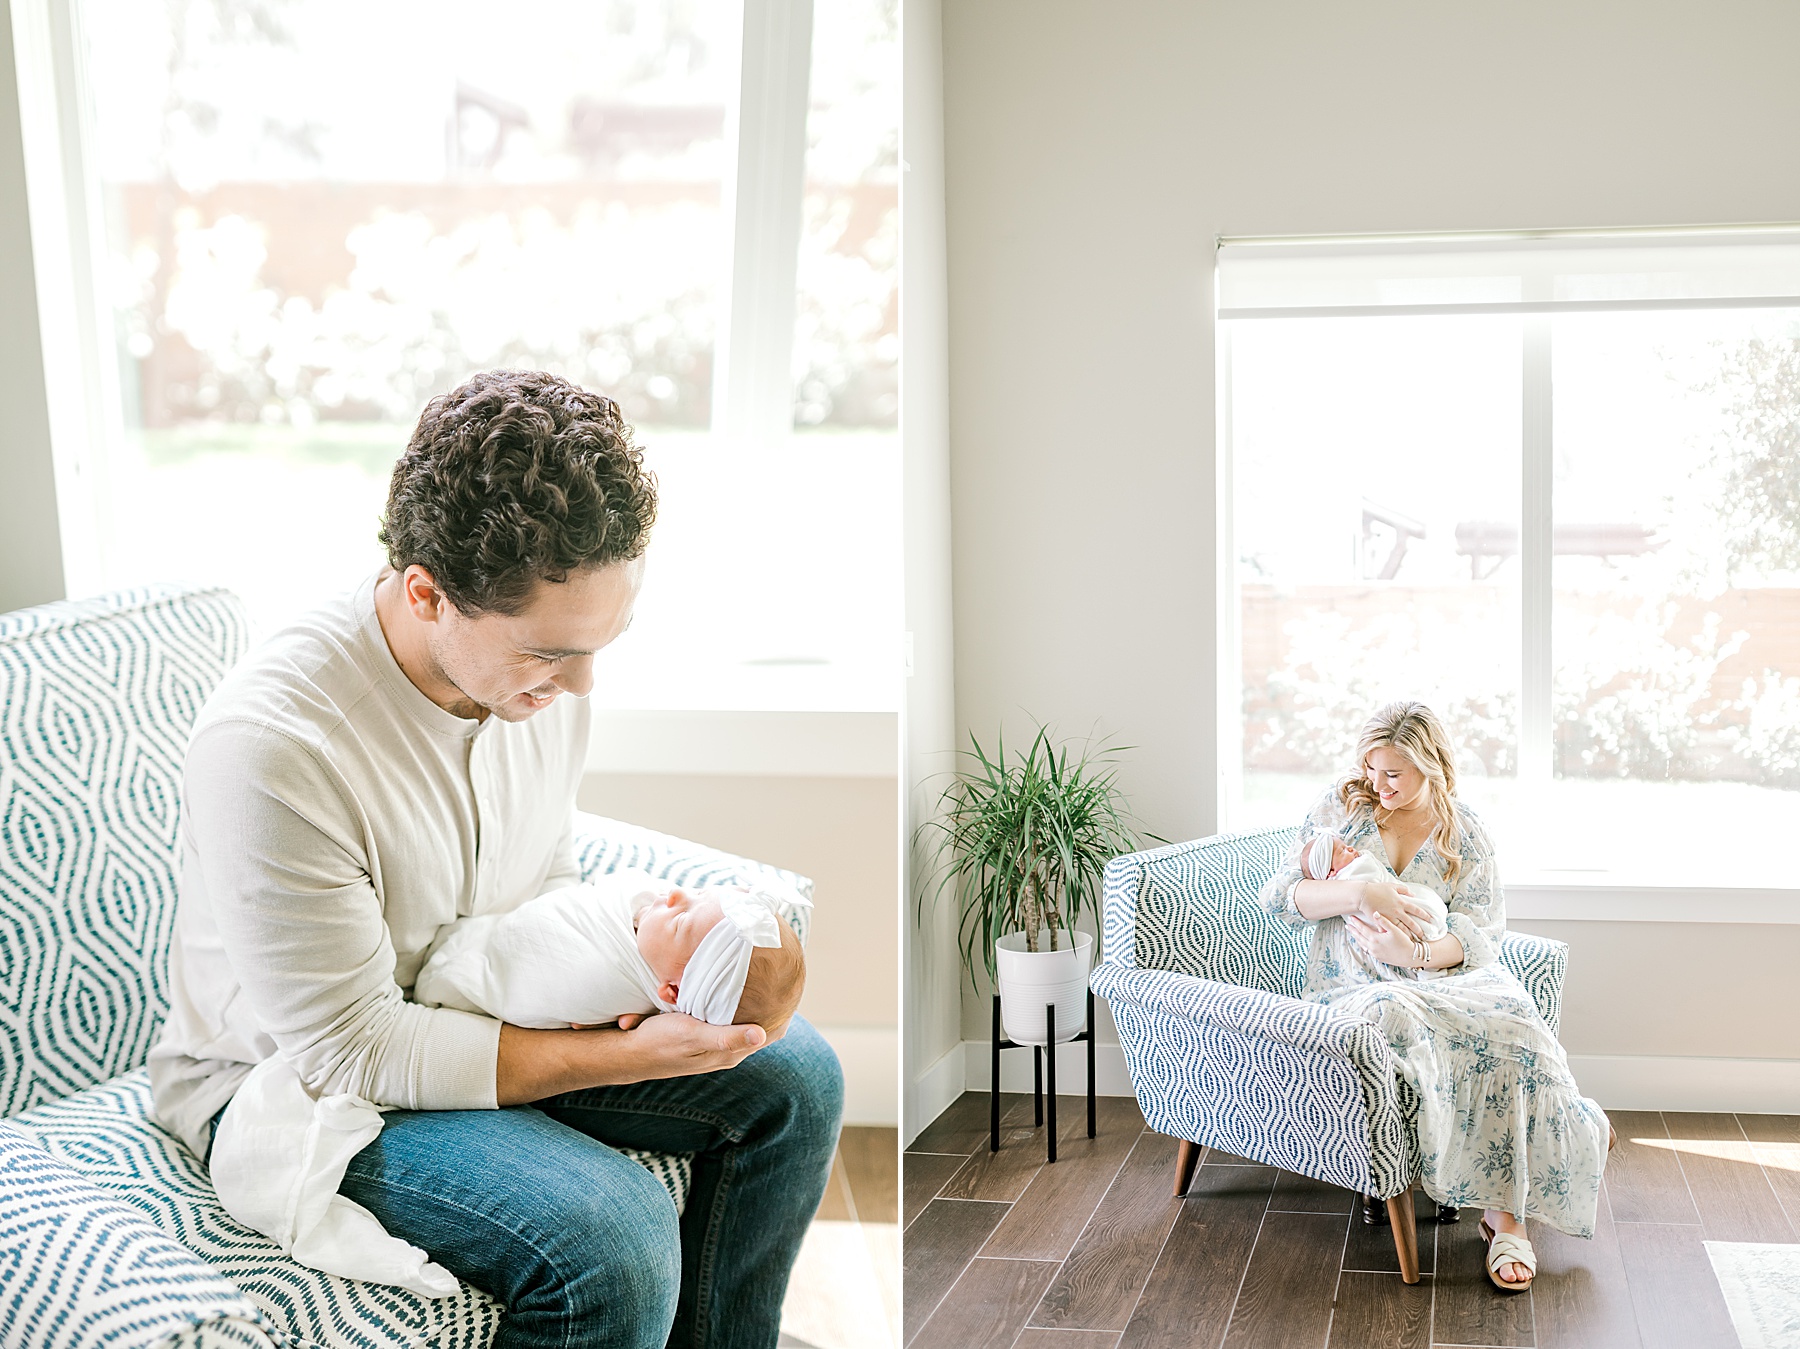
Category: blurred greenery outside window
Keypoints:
(321, 214)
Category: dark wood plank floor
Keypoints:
(1004, 1252)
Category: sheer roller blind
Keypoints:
(1516, 274)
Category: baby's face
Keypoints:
(670, 929)
(1342, 855)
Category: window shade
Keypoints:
(1522, 274)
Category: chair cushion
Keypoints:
(107, 1133)
(97, 699)
(82, 1268)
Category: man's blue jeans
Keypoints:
(583, 1246)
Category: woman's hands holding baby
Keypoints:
(1386, 923)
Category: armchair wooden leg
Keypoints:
(1185, 1162)
(1406, 1236)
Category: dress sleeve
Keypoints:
(1477, 903)
(1278, 894)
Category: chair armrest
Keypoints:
(1540, 964)
(603, 845)
(1251, 1012)
(1288, 1083)
(95, 1270)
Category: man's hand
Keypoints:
(533, 1064)
(684, 1045)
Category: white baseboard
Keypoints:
(871, 1059)
(1617, 1081)
(1110, 1075)
(930, 1094)
(1664, 1082)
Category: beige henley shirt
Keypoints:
(334, 821)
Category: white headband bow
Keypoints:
(1318, 857)
(712, 985)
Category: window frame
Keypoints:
(1544, 896)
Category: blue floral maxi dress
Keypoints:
(1499, 1122)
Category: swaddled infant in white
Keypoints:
(625, 943)
(1328, 857)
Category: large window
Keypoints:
(314, 215)
(1551, 488)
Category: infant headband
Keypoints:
(713, 982)
(1318, 857)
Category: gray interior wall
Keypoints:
(1680, 989)
(1093, 154)
(31, 570)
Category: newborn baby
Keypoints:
(1328, 857)
(623, 943)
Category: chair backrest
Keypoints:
(1192, 908)
(97, 700)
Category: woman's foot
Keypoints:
(1505, 1236)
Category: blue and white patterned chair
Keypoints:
(109, 1230)
(1204, 987)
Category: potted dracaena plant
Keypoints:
(1022, 841)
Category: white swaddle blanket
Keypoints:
(1363, 867)
(567, 957)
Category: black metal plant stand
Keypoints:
(1037, 1073)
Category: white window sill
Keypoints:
(1605, 902)
(764, 744)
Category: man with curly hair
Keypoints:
(407, 756)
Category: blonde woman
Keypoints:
(1500, 1122)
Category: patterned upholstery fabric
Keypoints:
(112, 1222)
(217, 1335)
(80, 1267)
(1540, 964)
(1196, 912)
(1203, 986)
(96, 702)
(107, 1133)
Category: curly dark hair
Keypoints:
(513, 478)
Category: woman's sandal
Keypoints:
(1508, 1248)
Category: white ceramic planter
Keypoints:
(1030, 979)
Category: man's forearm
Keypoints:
(533, 1064)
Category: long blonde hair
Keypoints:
(1415, 732)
